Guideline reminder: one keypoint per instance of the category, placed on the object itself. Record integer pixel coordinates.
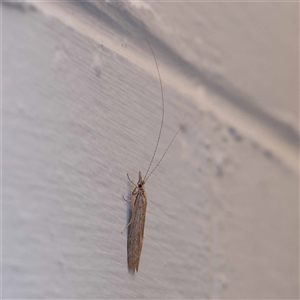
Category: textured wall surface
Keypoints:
(81, 107)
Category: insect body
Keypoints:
(138, 205)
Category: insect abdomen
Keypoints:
(136, 232)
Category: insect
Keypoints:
(138, 201)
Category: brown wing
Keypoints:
(136, 232)
(130, 210)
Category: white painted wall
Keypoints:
(81, 107)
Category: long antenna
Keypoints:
(163, 112)
(164, 153)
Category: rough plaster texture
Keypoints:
(81, 108)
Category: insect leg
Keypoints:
(126, 199)
(126, 226)
(131, 180)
